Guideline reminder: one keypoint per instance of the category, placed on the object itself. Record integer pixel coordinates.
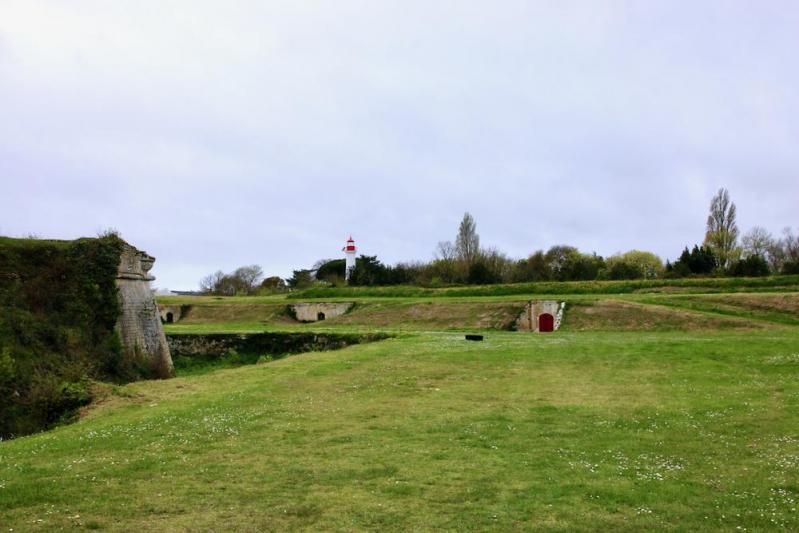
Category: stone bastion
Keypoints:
(139, 324)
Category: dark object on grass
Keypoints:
(474, 337)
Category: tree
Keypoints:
(700, 260)
(210, 282)
(722, 231)
(633, 265)
(566, 263)
(499, 265)
(481, 274)
(560, 260)
(368, 271)
(787, 249)
(623, 270)
(247, 278)
(467, 243)
(534, 268)
(444, 268)
(750, 266)
(757, 241)
(331, 270)
(244, 280)
(445, 251)
(273, 284)
(300, 279)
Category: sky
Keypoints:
(220, 134)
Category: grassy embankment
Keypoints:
(645, 411)
(667, 310)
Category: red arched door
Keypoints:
(546, 323)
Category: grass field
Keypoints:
(644, 412)
(586, 312)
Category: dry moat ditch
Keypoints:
(196, 352)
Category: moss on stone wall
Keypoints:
(58, 309)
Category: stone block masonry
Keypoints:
(314, 312)
(139, 325)
(530, 319)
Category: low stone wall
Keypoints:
(528, 320)
(314, 312)
(218, 345)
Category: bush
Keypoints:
(481, 274)
(751, 266)
(700, 260)
(58, 309)
(791, 267)
(624, 270)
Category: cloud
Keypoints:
(217, 135)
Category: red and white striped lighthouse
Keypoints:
(349, 257)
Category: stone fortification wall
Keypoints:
(528, 320)
(139, 324)
(217, 345)
(313, 312)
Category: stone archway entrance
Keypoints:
(546, 323)
(170, 318)
(320, 316)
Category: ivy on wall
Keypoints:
(58, 309)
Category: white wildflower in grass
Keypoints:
(789, 359)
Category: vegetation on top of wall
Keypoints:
(58, 309)
(697, 285)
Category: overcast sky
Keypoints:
(217, 134)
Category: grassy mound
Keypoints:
(620, 315)
(777, 308)
(58, 308)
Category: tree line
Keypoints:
(465, 261)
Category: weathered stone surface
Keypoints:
(528, 320)
(139, 324)
(173, 313)
(313, 312)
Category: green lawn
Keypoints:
(569, 431)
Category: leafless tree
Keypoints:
(722, 230)
(211, 282)
(757, 241)
(445, 250)
(244, 280)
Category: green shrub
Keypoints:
(58, 309)
(753, 265)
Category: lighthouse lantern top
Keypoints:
(350, 245)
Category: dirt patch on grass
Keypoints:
(616, 315)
